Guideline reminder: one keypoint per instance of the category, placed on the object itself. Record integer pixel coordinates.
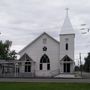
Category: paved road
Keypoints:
(45, 80)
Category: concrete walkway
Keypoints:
(45, 80)
(65, 76)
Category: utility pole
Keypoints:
(80, 64)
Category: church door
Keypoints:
(66, 67)
(44, 63)
(44, 66)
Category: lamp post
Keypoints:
(80, 64)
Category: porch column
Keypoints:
(61, 67)
(33, 68)
(15, 70)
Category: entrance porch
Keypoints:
(67, 65)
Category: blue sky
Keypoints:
(21, 21)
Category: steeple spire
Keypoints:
(67, 26)
(67, 11)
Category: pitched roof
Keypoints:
(44, 33)
(66, 58)
(25, 57)
(67, 26)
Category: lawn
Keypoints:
(44, 86)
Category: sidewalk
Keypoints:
(45, 80)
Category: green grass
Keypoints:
(44, 86)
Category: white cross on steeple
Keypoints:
(67, 11)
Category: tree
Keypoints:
(87, 63)
(5, 52)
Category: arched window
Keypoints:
(27, 66)
(44, 59)
(66, 46)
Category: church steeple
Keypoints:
(67, 26)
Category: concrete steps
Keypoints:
(65, 76)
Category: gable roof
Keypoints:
(44, 33)
(66, 58)
(25, 57)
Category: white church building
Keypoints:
(47, 57)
